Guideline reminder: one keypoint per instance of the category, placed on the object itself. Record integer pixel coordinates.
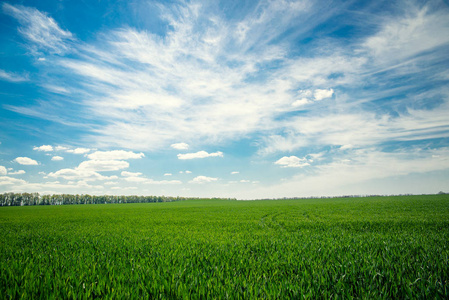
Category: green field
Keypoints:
(378, 247)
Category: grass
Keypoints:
(379, 247)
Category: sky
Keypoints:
(240, 99)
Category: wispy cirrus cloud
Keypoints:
(199, 72)
(204, 80)
(364, 129)
(423, 28)
(43, 31)
(12, 77)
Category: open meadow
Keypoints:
(374, 247)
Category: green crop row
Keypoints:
(380, 247)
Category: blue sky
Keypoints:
(246, 99)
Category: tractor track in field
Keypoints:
(269, 221)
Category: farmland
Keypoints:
(374, 247)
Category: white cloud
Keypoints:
(5, 180)
(315, 156)
(245, 181)
(110, 183)
(18, 172)
(77, 150)
(46, 148)
(203, 179)
(347, 146)
(301, 102)
(322, 94)
(180, 146)
(40, 29)
(292, 162)
(128, 188)
(130, 174)
(84, 184)
(200, 154)
(235, 172)
(135, 179)
(61, 148)
(359, 129)
(160, 182)
(50, 187)
(3, 170)
(26, 161)
(168, 174)
(144, 180)
(57, 158)
(103, 165)
(115, 155)
(12, 77)
(318, 95)
(80, 174)
(201, 57)
(238, 107)
(129, 76)
(368, 171)
(133, 99)
(107, 161)
(205, 82)
(188, 172)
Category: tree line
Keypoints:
(26, 199)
